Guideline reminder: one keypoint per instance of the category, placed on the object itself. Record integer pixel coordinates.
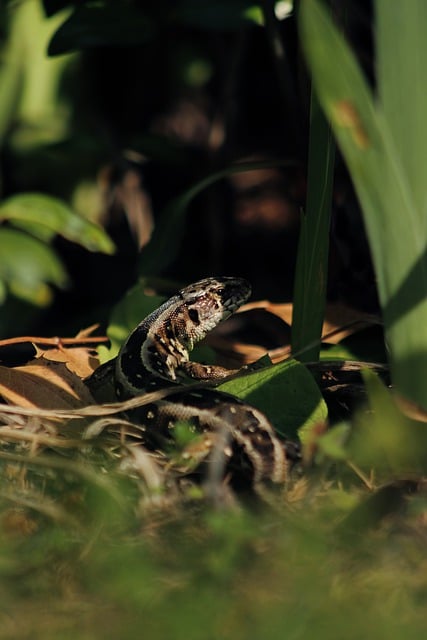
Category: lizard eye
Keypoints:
(194, 315)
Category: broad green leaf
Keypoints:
(11, 75)
(285, 392)
(401, 29)
(51, 216)
(27, 267)
(39, 231)
(395, 227)
(33, 111)
(3, 291)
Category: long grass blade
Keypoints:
(389, 201)
(312, 261)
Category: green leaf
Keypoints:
(365, 131)
(27, 266)
(33, 109)
(45, 216)
(401, 69)
(11, 79)
(3, 291)
(285, 392)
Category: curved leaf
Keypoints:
(35, 211)
(285, 392)
(370, 131)
(27, 265)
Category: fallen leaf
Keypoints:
(80, 360)
(340, 320)
(43, 383)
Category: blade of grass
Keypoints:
(394, 226)
(313, 249)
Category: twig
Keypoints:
(54, 342)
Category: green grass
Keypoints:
(205, 574)
(88, 549)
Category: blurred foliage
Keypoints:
(34, 116)
(26, 267)
(234, 574)
(86, 112)
(46, 217)
(112, 114)
(114, 558)
(27, 264)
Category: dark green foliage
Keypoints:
(94, 25)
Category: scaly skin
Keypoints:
(156, 355)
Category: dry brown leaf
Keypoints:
(43, 383)
(340, 322)
(82, 361)
(340, 319)
(79, 359)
